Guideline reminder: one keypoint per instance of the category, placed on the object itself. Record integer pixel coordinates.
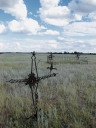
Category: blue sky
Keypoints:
(47, 25)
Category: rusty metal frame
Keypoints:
(33, 81)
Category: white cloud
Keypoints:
(60, 45)
(2, 29)
(60, 38)
(17, 46)
(92, 16)
(28, 26)
(86, 8)
(4, 46)
(49, 32)
(49, 3)
(42, 45)
(90, 2)
(16, 8)
(53, 44)
(53, 14)
(43, 27)
(29, 45)
(22, 24)
(30, 13)
(80, 45)
(1, 45)
(82, 7)
(80, 29)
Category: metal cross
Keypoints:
(33, 80)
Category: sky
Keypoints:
(48, 26)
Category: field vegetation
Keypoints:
(66, 101)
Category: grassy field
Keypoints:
(66, 101)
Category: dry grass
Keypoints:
(66, 101)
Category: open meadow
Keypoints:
(66, 101)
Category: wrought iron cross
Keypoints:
(33, 80)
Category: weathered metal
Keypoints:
(32, 80)
(50, 58)
(77, 56)
(51, 67)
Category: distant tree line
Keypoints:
(75, 52)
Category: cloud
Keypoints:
(49, 32)
(80, 45)
(22, 24)
(27, 26)
(90, 2)
(29, 45)
(49, 3)
(30, 13)
(1, 45)
(60, 45)
(53, 44)
(16, 8)
(51, 13)
(92, 16)
(4, 46)
(82, 7)
(3, 29)
(17, 46)
(80, 29)
(42, 45)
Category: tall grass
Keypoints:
(66, 101)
